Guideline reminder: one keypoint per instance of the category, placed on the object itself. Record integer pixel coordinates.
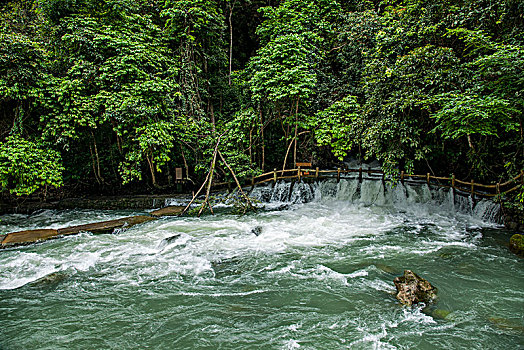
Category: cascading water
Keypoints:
(370, 192)
(317, 275)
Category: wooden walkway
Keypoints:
(465, 188)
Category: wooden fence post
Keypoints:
(360, 174)
(473, 190)
(275, 175)
(338, 175)
(299, 173)
(427, 178)
(402, 177)
(316, 172)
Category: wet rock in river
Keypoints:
(437, 314)
(413, 289)
(50, 281)
(516, 244)
(166, 241)
(257, 230)
(387, 269)
(507, 324)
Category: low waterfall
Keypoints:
(369, 192)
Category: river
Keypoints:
(319, 275)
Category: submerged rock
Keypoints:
(50, 280)
(413, 289)
(387, 269)
(438, 314)
(506, 324)
(257, 230)
(166, 241)
(516, 244)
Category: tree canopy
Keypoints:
(116, 94)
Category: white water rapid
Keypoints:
(313, 269)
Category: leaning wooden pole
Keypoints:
(195, 196)
(209, 182)
(248, 201)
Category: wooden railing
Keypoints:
(470, 188)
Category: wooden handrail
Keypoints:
(299, 173)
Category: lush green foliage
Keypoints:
(123, 92)
(26, 166)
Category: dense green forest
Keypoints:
(114, 95)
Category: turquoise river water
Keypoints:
(318, 276)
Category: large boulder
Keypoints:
(516, 244)
(413, 289)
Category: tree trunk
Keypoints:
(296, 133)
(212, 113)
(97, 158)
(262, 137)
(287, 153)
(231, 6)
(93, 163)
(152, 169)
(470, 142)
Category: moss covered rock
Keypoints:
(516, 244)
(413, 289)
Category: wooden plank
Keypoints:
(303, 165)
(168, 211)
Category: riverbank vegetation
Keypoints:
(113, 95)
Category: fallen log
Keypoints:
(28, 236)
(106, 226)
(168, 211)
(31, 236)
